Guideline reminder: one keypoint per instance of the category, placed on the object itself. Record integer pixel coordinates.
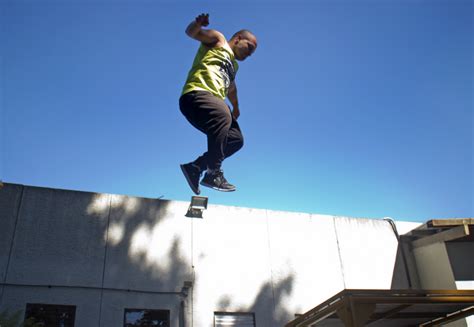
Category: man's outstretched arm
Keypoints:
(209, 37)
(232, 96)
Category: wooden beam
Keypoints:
(450, 318)
(390, 313)
(445, 236)
(364, 302)
(450, 222)
(422, 232)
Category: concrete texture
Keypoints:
(10, 197)
(434, 268)
(368, 250)
(87, 301)
(57, 240)
(113, 252)
(461, 257)
(114, 303)
(232, 265)
(148, 245)
(305, 254)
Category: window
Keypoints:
(146, 318)
(237, 319)
(51, 315)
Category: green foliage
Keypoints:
(10, 320)
(15, 320)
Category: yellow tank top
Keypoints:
(213, 70)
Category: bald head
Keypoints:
(246, 34)
(243, 44)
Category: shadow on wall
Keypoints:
(144, 249)
(273, 301)
(268, 301)
(66, 237)
(404, 274)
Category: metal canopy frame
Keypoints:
(361, 307)
(442, 230)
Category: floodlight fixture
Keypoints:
(186, 287)
(197, 206)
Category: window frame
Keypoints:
(235, 313)
(168, 312)
(55, 306)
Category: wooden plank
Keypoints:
(450, 222)
(390, 313)
(450, 318)
(445, 236)
(313, 317)
(365, 301)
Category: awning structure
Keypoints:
(442, 230)
(354, 308)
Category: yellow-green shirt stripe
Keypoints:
(213, 70)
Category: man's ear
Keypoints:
(237, 39)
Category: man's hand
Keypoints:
(210, 38)
(236, 112)
(232, 96)
(203, 19)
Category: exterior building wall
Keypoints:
(461, 258)
(57, 241)
(87, 301)
(439, 269)
(9, 203)
(433, 267)
(105, 253)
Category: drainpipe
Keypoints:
(187, 286)
(400, 246)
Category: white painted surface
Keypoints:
(272, 263)
(114, 304)
(10, 197)
(368, 250)
(231, 260)
(304, 248)
(404, 227)
(86, 302)
(57, 241)
(434, 268)
(148, 245)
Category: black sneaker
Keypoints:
(217, 181)
(192, 174)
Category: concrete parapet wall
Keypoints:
(104, 253)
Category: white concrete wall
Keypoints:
(433, 267)
(87, 302)
(57, 241)
(272, 263)
(148, 244)
(9, 203)
(368, 251)
(436, 270)
(113, 304)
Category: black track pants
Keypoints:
(212, 116)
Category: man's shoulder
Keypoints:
(220, 39)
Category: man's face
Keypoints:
(244, 47)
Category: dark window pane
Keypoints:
(235, 319)
(51, 315)
(145, 318)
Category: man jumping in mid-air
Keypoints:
(209, 82)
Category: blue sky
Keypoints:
(353, 108)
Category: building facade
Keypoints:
(111, 260)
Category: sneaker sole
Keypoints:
(217, 188)
(197, 191)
